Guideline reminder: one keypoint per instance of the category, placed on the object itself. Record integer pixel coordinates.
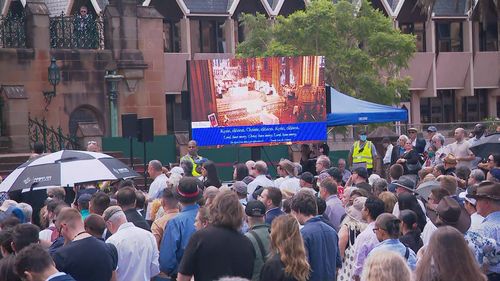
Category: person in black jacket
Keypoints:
(398, 149)
(411, 232)
(410, 160)
(126, 198)
(210, 176)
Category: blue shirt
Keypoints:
(273, 213)
(394, 245)
(485, 241)
(321, 243)
(176, 237)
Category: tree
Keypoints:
(364, 53)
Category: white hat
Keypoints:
(463, 195)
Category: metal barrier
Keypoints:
(52, 138)
(13, 31)
(76, 32)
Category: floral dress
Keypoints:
(354, 228)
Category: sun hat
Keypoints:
(189, 190)
(405, 183)
(449, 212)
(486, 189)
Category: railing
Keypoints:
(76, 32)
(52, 138)
(13, 31)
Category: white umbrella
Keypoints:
(65, 168)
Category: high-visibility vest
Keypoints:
(363, 157)
(190, 158)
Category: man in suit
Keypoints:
(33, 263)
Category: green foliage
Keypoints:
(364, 53)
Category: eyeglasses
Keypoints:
(490, 160)
(375, 230)
(91, 142)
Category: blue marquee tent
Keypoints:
(346, 110)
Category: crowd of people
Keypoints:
(314, 221)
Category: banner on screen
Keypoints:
(258, 100)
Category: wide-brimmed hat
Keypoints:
(354, 211)
(405, 183)
(189, 190)
(449, 212)
(450, 159)
(412, 129)
(486, 189)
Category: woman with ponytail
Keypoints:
(288, 261)
(409, 229)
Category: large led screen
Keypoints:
(258, 101)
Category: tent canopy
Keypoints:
(346, 110)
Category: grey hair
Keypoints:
(324, 161)
(27, 210)
(380, 184)
(117, 217)
(477, 175)
(439, 137)
(156, 165)
(403, 137)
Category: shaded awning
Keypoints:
(346, 110)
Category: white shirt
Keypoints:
(429, 229)
(137, 253)
(291, 184)
(475, 220)
(157, 186)
(155, 189)
(388, 153)
(46, 234)
(396, 211)
(261, 180)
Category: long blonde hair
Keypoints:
(287, 241)
(386, 266)
(437, 263)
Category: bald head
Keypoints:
(459, 134)
(193, 148)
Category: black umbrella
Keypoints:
(487, 146)
(66, 167)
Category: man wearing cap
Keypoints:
(241, 190)
(363, 153)
(192, 156)
(405, 185)
(431, 132)
(180, 228)
(486, 238)
(359, 177)
(258, 234)
(306, 181)
(137, 249)
(470, 206)
(460, 148)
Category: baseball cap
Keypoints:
(432, 129)
(255, 208)
(463, 195)
(240, 187)
(307, 177)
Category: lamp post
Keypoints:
(54, 77)
(113, 79)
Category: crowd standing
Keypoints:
(431, 213)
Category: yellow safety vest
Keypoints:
(363, 157)
(187, 156)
